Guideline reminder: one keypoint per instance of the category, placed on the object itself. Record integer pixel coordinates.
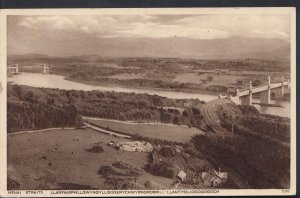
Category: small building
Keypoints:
(181, 175)
(212, 178)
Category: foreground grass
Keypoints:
(52, 159)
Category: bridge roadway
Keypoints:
(263, 88)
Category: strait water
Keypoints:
(59, 82)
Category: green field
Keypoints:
(164, 132)
(49, 160)
(126, 76)
(216, 78)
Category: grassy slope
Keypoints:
(164, 132)
(70, 163)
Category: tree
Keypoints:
(165, 117)
(17, 89)
(256, 83)
(239, 82)
(176, 120)
(157, 101)
(209, 78)
(29, 96)
(185, 113)
(196, 112)
(50, 101)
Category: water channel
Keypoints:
(59, 82)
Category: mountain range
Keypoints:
(175, 47)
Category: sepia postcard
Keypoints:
(148, 102)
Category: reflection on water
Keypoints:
(283, 111)
(56, 81)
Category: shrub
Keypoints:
(95, 149)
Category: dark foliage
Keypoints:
(28, 115)
(111, 105)
(12, 184)
(216, 88)
(95, 149)
(256, 146)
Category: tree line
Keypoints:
(110, 105)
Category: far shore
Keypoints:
(189, 91)
(267, 105)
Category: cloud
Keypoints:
(47, 22)
(242, 25)
(85, 29)
(156, 30)
(157, 26)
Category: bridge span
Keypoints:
(14, 69)
(245, 97)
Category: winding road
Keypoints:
(40, 130)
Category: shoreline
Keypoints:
(187, 91)
(267, 105)
(143, 90)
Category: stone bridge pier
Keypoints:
(46, 68)
(280, 91)
(265, 96)
(247, 99)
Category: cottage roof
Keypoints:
(208, 175)
(212, 173)
(182, 175)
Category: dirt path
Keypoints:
(39, 130)
(134, 122)
(92, 126)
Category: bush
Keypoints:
(17, 89)
(12, 184)
(95, 149)
(167, 151)
(209, 78)
(120, 168)
(256, 83)
(29, 96)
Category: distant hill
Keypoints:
(176, 47)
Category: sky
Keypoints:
(27, 32)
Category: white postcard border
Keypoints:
(136, 11)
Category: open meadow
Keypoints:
(160, 131)
(60, 161)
